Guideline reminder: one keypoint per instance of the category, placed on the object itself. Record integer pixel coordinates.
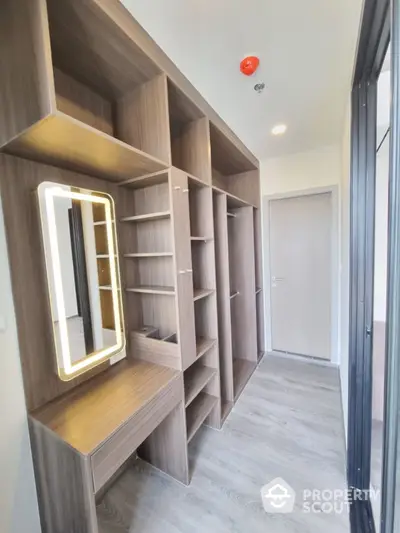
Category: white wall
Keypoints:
(18, 502)
(310, 170)
(306, 170)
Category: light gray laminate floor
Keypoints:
(287, 423)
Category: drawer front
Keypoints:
(118, 448)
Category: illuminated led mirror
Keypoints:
(81, 253)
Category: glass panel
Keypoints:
(79, 239)
(380, 282)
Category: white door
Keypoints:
(301, 276)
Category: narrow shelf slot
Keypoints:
(201, 239)
(242, 371)
(197, 412)
(234, 294)
(226, 408)
(198, 294)
(148, 217)
(196, 378)
(203, 345)
(149, 255)
(147, 289)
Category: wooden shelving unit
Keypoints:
(87, 92)
(198, 412)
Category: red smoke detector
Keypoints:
(249, 65)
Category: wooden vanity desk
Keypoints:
(84, 437)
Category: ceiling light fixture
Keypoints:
(279, 129)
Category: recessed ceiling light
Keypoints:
(279, 129)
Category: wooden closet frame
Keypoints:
(88, 99)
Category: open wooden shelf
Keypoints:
(105, 287)
(201, 239)
(148, 180)
(198, 294)
(197, 412)
(196, 378)
(234, 294)
(233, 201)
(258, 290)
(148, 255)
(189, 135)
(147, 217)
(242, 371)
(231, 214)
(203, 346)
(226, 408)
(146, 289)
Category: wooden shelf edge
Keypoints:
(155, 178)
(226, 408)
(201, 239)
(240, 201)
(198, 294)
(145, 255)
(234, 294)
(242, 372)
(197, 382)
(149, 217)
(197, 412)
(147, 289)
(203, 346)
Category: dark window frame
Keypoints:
(372, 46)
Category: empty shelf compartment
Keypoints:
(197, 412)
(203, 345)
(196, 378)
(242, 371)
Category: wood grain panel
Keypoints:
(64, 484)
(156, 351)
(120, 446)
(27, 87)
(191, 149)
(88, 45)
(75, 99)
(90, 414)
(64, 141)
(246, 186)
(19, 180)
(142, 118)
(226, 157)
(223, 296)
(166, 447)
(119, 14)
(242, 273)
(183, 266)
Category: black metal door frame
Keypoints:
(372, 46)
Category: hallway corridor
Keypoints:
(288, 423)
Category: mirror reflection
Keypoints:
(80, 246)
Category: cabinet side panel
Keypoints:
(27, 85)
(64, 484)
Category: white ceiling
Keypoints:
(306, 51)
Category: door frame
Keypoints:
(335, 293)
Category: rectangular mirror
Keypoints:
(81, 253)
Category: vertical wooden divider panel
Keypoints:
(179, 190)
(241, 246)
(223, 297)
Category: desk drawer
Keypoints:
(120, 446)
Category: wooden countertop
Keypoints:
(92, 413)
